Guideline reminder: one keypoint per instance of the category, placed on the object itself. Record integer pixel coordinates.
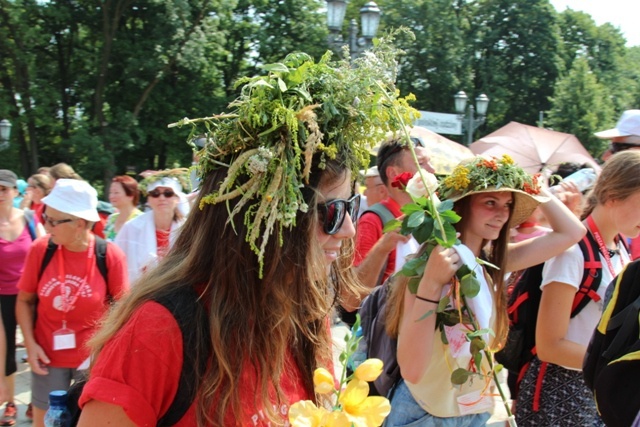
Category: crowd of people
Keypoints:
(107, 292)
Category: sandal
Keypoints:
(29, 412)
(10, 414)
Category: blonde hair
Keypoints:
(619, 179)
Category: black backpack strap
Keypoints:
(592, 276)
(48, 256)
(101, 258)
(196, 348)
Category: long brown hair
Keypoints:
(251, 320)
(494, 252)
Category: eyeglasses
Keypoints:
(157, 193)
(334, 212)
(55, 222)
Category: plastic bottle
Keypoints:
(583, 179)
(57, 415)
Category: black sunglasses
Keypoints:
(55, 222)
(157, 193)
(334, 212)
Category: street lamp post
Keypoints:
(369, 17)
(470, 122)
(5, 133)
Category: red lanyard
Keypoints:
(603, 248)
(68, 305)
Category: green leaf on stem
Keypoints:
(450, 217)
(480, 333)
(477, 345)
(443, 335)
(413, 284)
(470, 285)
(444, 302)
(459, 376)
(392, 225)
(424, 231)
(411, 208)
(427, 314)
(414, 220)
(477, 358)
(445, 205)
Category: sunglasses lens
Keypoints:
(334, 213)
(168, 194)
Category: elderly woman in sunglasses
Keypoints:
(147, 238)
(64, 290)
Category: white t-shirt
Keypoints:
(568, 268)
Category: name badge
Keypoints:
(64, 339)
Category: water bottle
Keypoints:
(583, 179)
(57, 415)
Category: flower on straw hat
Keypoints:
(283, 119)
(484, 175)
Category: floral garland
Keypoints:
(283, 118)
(179, 174)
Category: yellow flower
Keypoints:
(458, 179)
(306, 414)
(323, 381)
(369, 370)
(507, 159)
(360, 409)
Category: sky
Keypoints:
(621, 13)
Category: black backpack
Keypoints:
(187, 310)
(375, 342)
(611, 366)
(524, 301)
(100, 252)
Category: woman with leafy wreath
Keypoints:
(447, 384)
(267, 249)
(146, 239)
(563, 398)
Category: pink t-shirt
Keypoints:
(12, 256)
(91, 302)
(139, 370)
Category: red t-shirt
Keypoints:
(139, 370)
(370, 231)
(90, 305)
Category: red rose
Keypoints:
(400, 181)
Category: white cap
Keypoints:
(629, 124)
(165, 182)
(372, 172)
(74, 197)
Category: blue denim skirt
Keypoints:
(405, 412)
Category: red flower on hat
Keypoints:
(401, 181)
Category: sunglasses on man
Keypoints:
(335, 211)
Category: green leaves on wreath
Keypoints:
(469, 283)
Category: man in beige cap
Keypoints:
(375, 190)
(625, 136)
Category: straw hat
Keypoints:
(487, 175)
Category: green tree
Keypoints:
(581, 106)
(517, 57)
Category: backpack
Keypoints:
(100, 252)
(522, 309)
(184, 305)
(376, 342)
(611, 366)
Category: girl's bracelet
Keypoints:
(427, 300)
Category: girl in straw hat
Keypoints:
(561, 340)
(266, 249)
(490, 196)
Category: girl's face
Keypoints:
(34, 191)
(624, 214)
(331, 244)
(163, 199)
(7, 194)
(489, 214)
(117, 195)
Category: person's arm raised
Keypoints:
(567, 231)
